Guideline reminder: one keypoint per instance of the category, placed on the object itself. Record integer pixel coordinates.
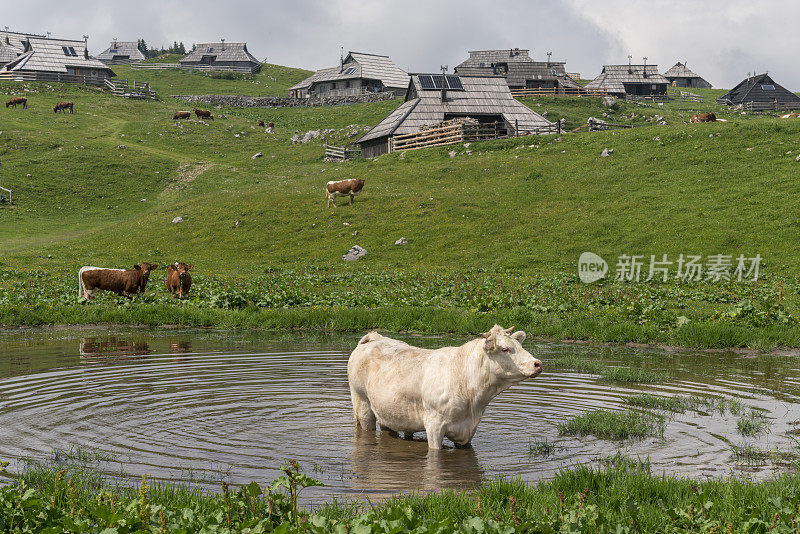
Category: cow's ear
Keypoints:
(189, 267)
(153, 267)
(137, 267)
(519, 336)
(489, 342)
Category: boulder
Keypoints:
(607, 152)
(401, 241)
(609, 101)
(354, 253)
(256, 155)
(177, 220)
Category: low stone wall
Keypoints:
(242, 101)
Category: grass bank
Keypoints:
(63, 495)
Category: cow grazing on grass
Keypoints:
(261, 124)
(441, 391)
(787, 116)
(179, 280)
(343, 188)
(203, 114)
(63, 106)
(18, 100)
(126, 282)
(703, 117)
(181, 115)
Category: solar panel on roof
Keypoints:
(454, 83)
(426, 82)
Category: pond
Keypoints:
(208, 405)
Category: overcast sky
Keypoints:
(721, 40)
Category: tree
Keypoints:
(142, 46)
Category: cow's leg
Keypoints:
(408, 435)
(352, 196)
(362, 412)
(435, 433)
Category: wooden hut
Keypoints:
(518, 68)
(221, 56)
(433, 98)
(358, 73)
(630, 80)
(679, 75)
(121, 52)
(57, 60)
(760, 92)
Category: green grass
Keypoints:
(498, 230)
(683, 404)
(66, 495)
(613, 425)
(753, 423)
(543, 448)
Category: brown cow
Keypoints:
(62, 106)
(182, 115)
(343, 188)
(703, 117)
(179, 280)
(787, 116)
(261, 123)
(203, 114)
(126, 282)
(18, 100)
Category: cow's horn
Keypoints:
(508, 330)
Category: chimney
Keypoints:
(86, 47)
(630, 68)
(548, 58)
(510, 52)
(645, 67)
(444, 84)
(223, 43)
(341, 60)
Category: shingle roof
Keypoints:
(521, 67)
(49, 55)
(752, 90)
(680, 70)
(12, 45)
(484, 95)
(358, 65)
(122, 48)
(222, 51)
(613, 77)
(485, 58)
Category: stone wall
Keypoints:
(242, 101)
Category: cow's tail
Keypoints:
(371, 336)
(81, 289)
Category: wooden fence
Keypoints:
(593, 126)
(564, 91)
(685, 96)
(9, 194)
(340, 152)
(647, 98)
(163, 66)
(132, 89)
(54, 77)
(769, 106)
(452, 132)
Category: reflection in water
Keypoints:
(382, 462)
(112, 346)
(178, 347)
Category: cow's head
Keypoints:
(509, 360)
(182, 268)
(144, 269)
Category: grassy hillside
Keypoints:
(271, 80)
(102, 187)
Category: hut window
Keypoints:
(351, 70)
(113, 51)
(768, 87)
(347, 85)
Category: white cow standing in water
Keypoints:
(441, 391)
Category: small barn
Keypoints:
(434, 98)
(679, 75)
(221, 56)
(630, 80)
(358, 73)
(48, 59)
(121, 52)
(760, 91)
(518, 68)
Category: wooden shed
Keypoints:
(58, 60)
(222, 56)
(518, 68)
(762, 92)
(434, 98)
(358, 73)
(679, 75)
(630, 80)
(121, 52)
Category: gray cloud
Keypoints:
(721, 40)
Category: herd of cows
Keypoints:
(22, 101)
(129, 282)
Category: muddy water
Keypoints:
(206, 406)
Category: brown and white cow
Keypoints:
(63, 106)
(203, 114)
(703, 117)
(787, 116)
(179, 280)
(126, 282)
(18, 100)
(261, 123)
(181, 115)
(343, 188)
(441, 391)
